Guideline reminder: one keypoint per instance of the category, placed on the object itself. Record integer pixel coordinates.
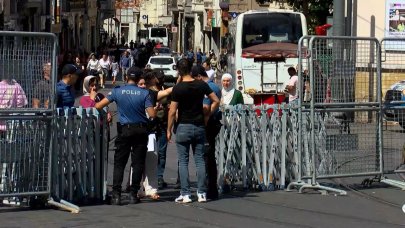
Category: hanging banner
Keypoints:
(394, 22)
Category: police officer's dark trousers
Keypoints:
(133, 140)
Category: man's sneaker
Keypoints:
(183, 199)
(202, 198)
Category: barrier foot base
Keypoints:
(64, 205)
(317, 186)
(295, 185)
(395, 183)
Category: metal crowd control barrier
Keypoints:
(27, 73)
(259, 151)
(80, 158)
(349, 87)
(345, 110)
(393, 92)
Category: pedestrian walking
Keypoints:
(125, 64)
(105, 66)
(64, 90)
(187, 99)
(93, 66)
(114, 68)
(132, 102)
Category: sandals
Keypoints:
(151, 193)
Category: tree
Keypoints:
(316, 11)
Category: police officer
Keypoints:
(132, 102)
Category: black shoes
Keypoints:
(134, 198)
(116, 199)
(212, 195)
(161, 184)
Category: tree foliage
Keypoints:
(316, 11)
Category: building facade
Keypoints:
(75, 22)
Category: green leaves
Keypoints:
(316, 11)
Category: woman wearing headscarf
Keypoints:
(90, 96)
(230, 96)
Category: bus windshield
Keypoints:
(158, 32)
(271, 27)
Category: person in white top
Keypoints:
(115, 69)
(210, 72)
(105, 65)
(93, 66)
(292, 85)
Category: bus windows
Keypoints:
(270, 27)
(158, 32)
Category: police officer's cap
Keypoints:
(71, 69)
(134, 73)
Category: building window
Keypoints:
(127, 16)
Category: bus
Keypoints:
(253, 38)
(159, 34)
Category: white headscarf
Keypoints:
(227, 94)
(86, 85)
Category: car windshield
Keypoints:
(271, 27)
(161, 61)
(164, 50)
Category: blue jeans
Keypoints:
(162, 154)
(191, 135)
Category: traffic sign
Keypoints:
(174, 29)
(145, 17)
(234, 14)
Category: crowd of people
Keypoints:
(149, 113)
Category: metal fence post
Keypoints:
(243, 136)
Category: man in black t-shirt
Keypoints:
(187, 98)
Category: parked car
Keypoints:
(394, 103)
(167, 64)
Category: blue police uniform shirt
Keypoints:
(131, 103)
(65, 94)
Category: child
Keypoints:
(114, 68)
